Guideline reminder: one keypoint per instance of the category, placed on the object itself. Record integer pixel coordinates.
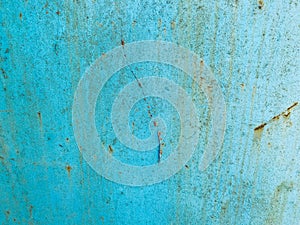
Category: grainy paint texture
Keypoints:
(252, 48)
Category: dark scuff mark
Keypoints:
(4, 73)
(30, 210)
(40, 118)
(56, 49)
(58, 12)
(110, 149)
(20, 16)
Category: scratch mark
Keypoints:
(138, 81)
(160, 152)
(40, 118)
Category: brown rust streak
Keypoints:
(285, 113)
(292, 106)
(260, 127)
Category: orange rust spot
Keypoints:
(260, 127)
(69, 168)
(122, 42)
(155, 123)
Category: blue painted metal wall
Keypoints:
(252, 49)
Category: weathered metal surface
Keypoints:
(252, 49)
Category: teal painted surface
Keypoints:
(252, 49)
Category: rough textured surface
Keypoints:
(253, 50)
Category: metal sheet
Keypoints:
(244, 54)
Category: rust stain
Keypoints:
(260, 127)
(58, 12)
(261, 4)
(122, 42)
(292, 106)
(69, 168)
(285, 114)
(173, 25)
(278, 203)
